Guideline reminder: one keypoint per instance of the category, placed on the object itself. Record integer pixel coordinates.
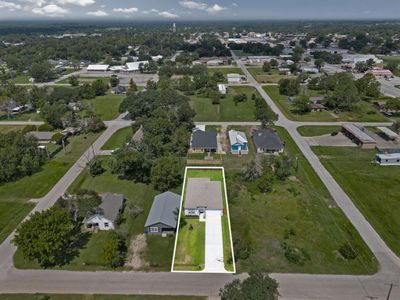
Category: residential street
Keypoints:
(292, 286)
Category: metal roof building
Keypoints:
(359, 136)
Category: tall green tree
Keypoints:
(166, 173)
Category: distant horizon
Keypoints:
(198, 10)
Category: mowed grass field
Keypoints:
(159, 250)
(373, 188)
(118, 139)
(365, 112)
(107, 106)
(298, 213)
(226, 110)
(267, 77)
(94, 297)
(15, 196)
(28, 116)
(317, 130)
(10, 128)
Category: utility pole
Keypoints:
(390, 289)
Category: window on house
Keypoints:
(153, 229)
(106, 225)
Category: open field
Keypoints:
(138, 194)
(364, 113)
(317, 130)
(298, 216)
(267, 77)
(118, 139)
(107, 106)
(373, 188)
(14, 196)
(226, 110)
(94, 297)
(88, 79)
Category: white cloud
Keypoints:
(193, 4)
(77, 2)
(215, 9)
(168, 15)
(51, 10)
(126, 10)
(235, 4)
(154, 10)
(9, 5)
(97, 13)
(202, 6)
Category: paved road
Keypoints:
(292, 286)
(21, 123)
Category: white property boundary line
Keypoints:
(180, 212)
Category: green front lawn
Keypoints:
(14, 196)
(31, 116)
(107, 106)
(226, 110)
(190, 248)
(267, 77)
(317, 130)
(118, 139)
(94, 297)
(373, 188)
(296, 228)
(10, 128)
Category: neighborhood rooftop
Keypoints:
(204, 139)
(237, 137)
(111, 205)
(163, 208)
(202, 192)
(267, 139)
(358, 133)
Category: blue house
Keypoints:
(239, 143)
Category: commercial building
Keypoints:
(358, 136)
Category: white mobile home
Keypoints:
(390, 159)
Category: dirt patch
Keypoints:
(223, 139)
(136, 248)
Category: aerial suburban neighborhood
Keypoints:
(196, 150)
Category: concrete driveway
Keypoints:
(214, 262)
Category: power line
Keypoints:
(390, 289)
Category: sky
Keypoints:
(137, 10)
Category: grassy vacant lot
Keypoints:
(83, 79)
(298, 216)
(317, 130)
(373, 188)
(364, 113)
(10, 128)
(267, 77)
(190, 248)
(158, 253)
(33, 116)
(118, 139)
(14, 196)
(107, 106)
(226, 110)
(94, 297)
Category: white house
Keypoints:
(134, 66)
(97, 68)
(106, 215)
(222, 89)
(390, 159)
(234, 78)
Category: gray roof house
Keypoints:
(204, 141)
(202, 194)
(42, 136)
(119, 89)
(162, 218)
(267, 141)
(107, 212)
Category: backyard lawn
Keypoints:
(14, 196)
(267, 77)
(226, 110)
(373, 188)
(364, 113)
(118, 139)
(295, 228)
(94, 297)
(317, 130)
(107, 106)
